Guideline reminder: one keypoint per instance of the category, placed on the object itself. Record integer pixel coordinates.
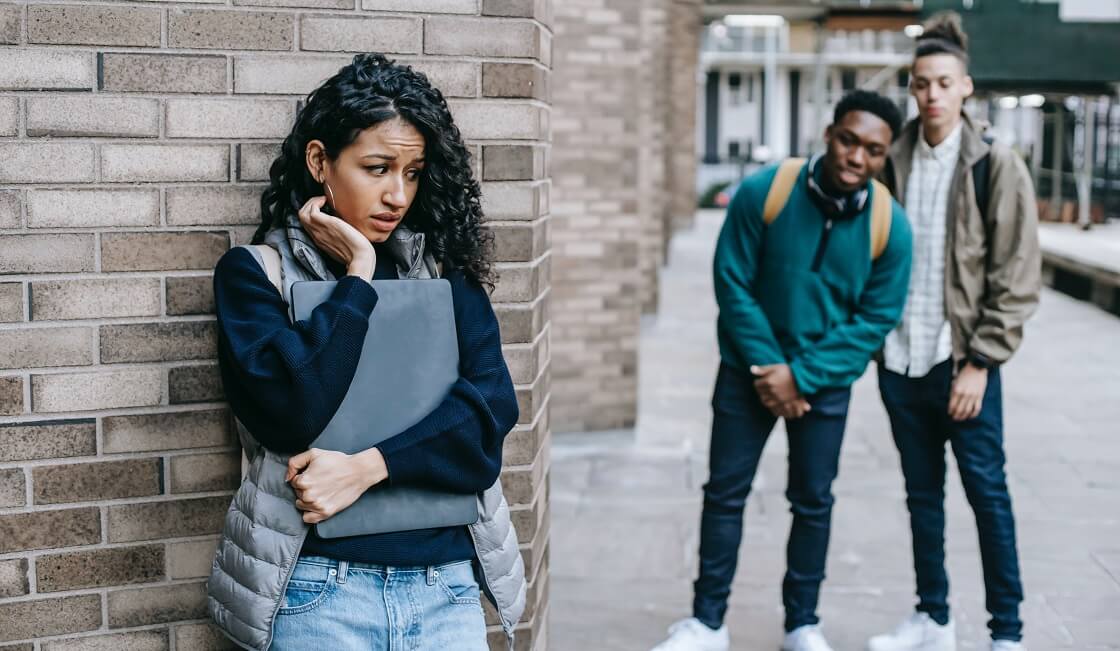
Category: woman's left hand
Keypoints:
(327, 482)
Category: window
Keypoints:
(733, 149)
(735, 85)
(847, 80)
(750, 88)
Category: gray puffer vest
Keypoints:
(264, 530)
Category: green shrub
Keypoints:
(708, 197)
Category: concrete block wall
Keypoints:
(134, 140)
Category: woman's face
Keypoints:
(373, 181)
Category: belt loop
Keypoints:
(432, 574)
(343, 567)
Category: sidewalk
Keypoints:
(1085, 264)
(626, 505)
(1097, 248)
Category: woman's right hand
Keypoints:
(327, 481)
(340, 240)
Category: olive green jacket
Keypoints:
(993, 264)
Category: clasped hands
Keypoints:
(778, 391)
(326, 481)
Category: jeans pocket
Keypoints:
(458, 583)
(308, 588)
(734, 391)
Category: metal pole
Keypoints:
(1106, 201)
(771, 91)
(819, 99)
(1058, 161)
(1085, 175)
(1037, 145)
(880, 78)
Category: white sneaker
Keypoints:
(1007, 645)
(693, 635)
(918, 633)
(805, 638)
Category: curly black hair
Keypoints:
(370, 90)
(865, 100)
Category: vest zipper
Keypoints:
(818, 259)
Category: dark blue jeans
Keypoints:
(740, 428)
(919, 414)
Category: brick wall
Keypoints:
(134, 138)
(655, 119)
(624, 171)
(597, 220)
(684, 47)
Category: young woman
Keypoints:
(373, 182)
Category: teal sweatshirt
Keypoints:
(804, 290)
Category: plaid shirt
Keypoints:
(923, 339)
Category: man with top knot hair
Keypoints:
(974, 283)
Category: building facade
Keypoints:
(770, 85)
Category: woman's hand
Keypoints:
(340, 240)
(327, 482)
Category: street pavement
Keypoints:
(626, 504)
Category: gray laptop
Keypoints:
(408, 364)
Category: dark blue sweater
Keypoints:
(284, 382)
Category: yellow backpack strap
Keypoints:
(881, 210)
(781, 188)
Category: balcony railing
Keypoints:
(727, 39)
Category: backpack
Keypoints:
(782, 187)
(981, 180)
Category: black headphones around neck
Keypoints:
(833, 207)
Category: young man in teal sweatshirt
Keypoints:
(810, 278)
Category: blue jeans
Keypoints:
(740, 428)
(333, 604)
(919, 414)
